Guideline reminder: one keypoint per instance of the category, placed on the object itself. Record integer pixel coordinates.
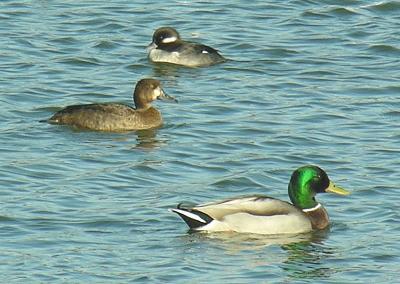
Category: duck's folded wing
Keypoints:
(189, 48)
(111, 108)
(90, 112)
(251, 205)
(251, 214)
(204, 49)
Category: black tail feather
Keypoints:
(191, 222)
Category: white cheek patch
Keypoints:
(169, 39)
(204, 51)
(156, 93)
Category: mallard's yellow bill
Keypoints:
(335, 189)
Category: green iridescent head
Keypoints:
(306, 182)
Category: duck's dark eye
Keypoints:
(320, 183)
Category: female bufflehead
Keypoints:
(117, 117)
(167, 46)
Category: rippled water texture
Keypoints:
(307, 82)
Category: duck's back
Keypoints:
(108, 117)
(187, 53)
(255, 214)
(205, 55)
(254, 204)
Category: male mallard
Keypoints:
(267, 215)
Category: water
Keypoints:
(308, 82)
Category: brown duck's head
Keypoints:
(148, 90)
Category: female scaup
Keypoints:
(117, 117)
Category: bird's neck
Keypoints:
(318, 216)
(301, 196)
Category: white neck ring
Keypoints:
(313, 208)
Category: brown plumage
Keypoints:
(319, 218)
(117, 117)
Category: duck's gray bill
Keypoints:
(151, 46)
(170, 98)
(166, 97)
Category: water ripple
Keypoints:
(307, 82)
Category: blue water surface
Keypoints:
(308, 82)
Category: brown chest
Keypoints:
(319, 218)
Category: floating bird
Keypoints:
(114, 116)
(167, 46)
(266, 215)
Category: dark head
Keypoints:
(306, 182)
(165, 35)
(148, 90)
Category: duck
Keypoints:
(117, 117)
(260, 214)
(168, 47)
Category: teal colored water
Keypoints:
(307, 82)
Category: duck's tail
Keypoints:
(53, 120)
(192, 217)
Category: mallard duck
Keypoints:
(266, 215)
(114, 116)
